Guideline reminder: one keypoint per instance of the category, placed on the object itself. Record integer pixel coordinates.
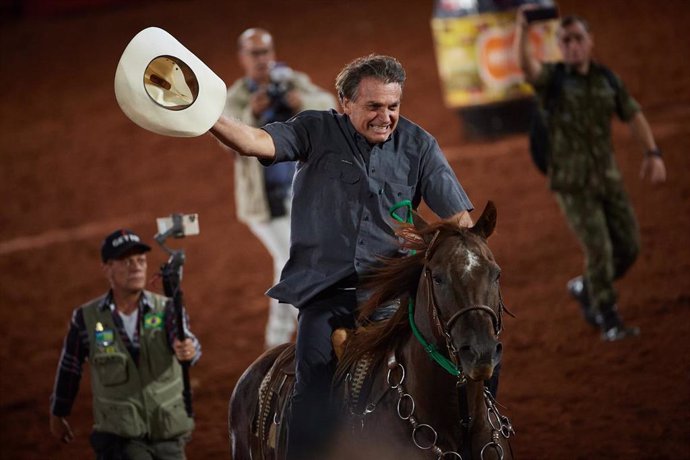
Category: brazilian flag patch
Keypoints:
(105, 338)
(153, 321)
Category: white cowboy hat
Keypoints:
(163, 87)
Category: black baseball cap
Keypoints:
(120, 242)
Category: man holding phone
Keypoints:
(128, 336)
(578, 98)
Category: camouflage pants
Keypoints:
(607, 229)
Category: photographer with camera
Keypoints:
(128, 336)
(269, 92)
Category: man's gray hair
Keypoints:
(383, 68)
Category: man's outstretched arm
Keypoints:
(245, 140)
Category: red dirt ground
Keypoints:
(74, 167)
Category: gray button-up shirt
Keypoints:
(343, 192)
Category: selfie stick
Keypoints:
(171, 272)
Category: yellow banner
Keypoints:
(476, 61)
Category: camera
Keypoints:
(280, 76)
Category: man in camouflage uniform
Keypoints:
(582, 169)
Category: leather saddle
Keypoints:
(270, 424)
(270, 419)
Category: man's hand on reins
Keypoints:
(463, 219)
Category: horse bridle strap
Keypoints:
(483, 308)
(430, 348)
(442, 330)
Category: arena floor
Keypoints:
(73, 168)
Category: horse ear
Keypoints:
(486, 224)
(420, 225)
(418, 221)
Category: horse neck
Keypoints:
(434, 390)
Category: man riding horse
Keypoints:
(352, 168)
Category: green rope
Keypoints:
(441, 360)
(403, 204)
(430, 348)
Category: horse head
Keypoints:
(458, 300)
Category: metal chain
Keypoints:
(408, 415)
(500, 424)
(405, 407)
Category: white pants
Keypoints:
(282, 318)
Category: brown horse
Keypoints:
(410, 387)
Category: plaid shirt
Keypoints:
(76, 349)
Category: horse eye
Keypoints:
(438, 280)
(498, 275)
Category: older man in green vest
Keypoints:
(128, 337)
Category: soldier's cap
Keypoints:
(121, 242)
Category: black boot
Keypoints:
(612, 327)
(578, 290)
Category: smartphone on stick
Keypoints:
(543, 13)
(182, 225)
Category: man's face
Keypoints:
(375, 111)
(127, 274)
(257, 56)
(575, 43)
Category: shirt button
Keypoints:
(361, 242)
(366, 218)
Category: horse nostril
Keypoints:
(499, 349)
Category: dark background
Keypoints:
(74, 168)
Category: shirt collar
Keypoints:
(144, 302)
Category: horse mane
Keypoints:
(396, 278)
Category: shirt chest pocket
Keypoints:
(111, 368)
(342, 169)
(393, 194)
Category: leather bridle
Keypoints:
(442, 331)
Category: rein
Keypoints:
(431, 349)
(450, 366)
